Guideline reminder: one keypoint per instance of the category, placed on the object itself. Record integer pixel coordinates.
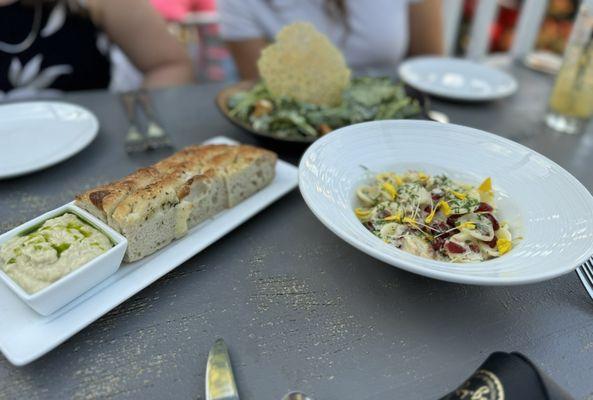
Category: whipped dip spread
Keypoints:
(56, 248)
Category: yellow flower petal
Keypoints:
(485, 191)
(430, 216)
(486, 186)
(399, 180)
(503, 246)
(397, 217)
(410, 221)
(390, 189)
(468, 225)
(422, 176)
(460, 196)
(445, 208)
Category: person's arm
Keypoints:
(246, 53)
(426, 27)
(142, 35)
(241, 29)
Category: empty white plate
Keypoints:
(457, 78)
(542, 202)
(36, 135)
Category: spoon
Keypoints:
(296, 396)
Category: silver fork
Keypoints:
(157, 136)
(135, 141)
(585, 273)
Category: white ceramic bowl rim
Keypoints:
(315, 193)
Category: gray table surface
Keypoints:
(298, 307)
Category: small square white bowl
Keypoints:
(72, 285)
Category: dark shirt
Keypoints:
(68, 52)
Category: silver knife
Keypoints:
(220, 381)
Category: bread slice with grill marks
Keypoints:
(155, 205)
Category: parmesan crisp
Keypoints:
(304, 65)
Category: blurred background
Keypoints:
(552, 36)
(195, 24)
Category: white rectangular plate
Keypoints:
(26, 335)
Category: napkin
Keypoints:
(508, 376)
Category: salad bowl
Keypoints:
(222, 102)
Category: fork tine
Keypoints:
(586, 277)
(157, 137)
(134, 141)
(587, 268)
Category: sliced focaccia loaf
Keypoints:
(155, 205)
(102, 200)
(250, 170)
(151, 217)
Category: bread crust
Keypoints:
(178, 193)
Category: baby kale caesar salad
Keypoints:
(307, 90)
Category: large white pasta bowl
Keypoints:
(545, 205)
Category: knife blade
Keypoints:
(220, 381)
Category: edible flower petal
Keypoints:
(430, 216)
(486, 185)
(503, 246)
(410, 221)
(467, 225)
(390, 189)
(460, 196)
(445, 208)
(396, 217)
(485, 191)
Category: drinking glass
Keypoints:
(571, 102)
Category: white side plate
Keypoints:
(456, 78)
(26, 335)
(35, 135)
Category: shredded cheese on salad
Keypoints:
(434, 216)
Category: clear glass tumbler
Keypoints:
(571, 103)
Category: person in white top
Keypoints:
(373, 35)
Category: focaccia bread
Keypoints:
(155, 205)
